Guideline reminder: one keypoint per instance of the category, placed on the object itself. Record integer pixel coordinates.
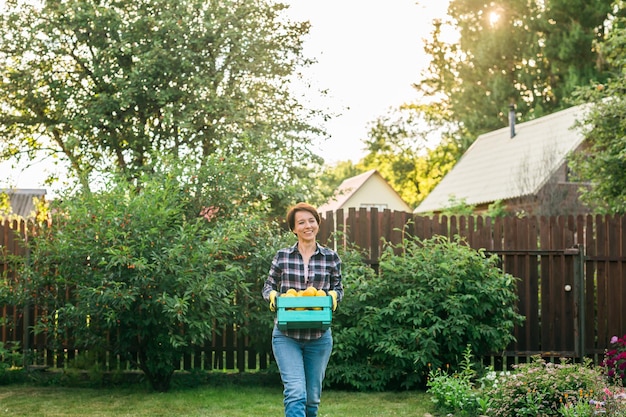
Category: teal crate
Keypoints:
(291, 316)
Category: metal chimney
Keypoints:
(512, 119)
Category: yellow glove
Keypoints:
(273, 294)
(333, 294)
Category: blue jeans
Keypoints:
(302, 366)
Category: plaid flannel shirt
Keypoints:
(287, 271)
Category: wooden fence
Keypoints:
(571, 270)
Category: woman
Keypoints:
(302, 354)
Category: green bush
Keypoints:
(455, 393)
(430, 299)
(147, 272)
(10, 356)
(10, 362)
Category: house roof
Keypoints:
(498, 167)
(22, 200)
(347, 190)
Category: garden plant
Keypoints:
(536, 388)
(455, 393)
(615, 360)
(429, 300)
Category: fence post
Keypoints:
(26, 316)
(579, 298)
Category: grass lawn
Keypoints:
(214, 401)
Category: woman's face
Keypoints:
(305, 225)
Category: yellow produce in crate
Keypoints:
(314, 312)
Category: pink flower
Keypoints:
(614, 339)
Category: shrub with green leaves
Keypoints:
(430, 299)
(147, 272)
(9, 356)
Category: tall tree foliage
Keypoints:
(603, 164)
(402, 147)
(530, 54)
(117, 84)
(330, 178)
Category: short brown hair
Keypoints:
(291, 214)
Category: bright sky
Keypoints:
(369, 53)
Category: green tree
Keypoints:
(603, 163)
(530, 54)
(5, 205)
(330, 178)
(571, 30)
(115, 85)
(402, 146)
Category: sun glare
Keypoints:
(494, 17)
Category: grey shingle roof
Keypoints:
(498, 167)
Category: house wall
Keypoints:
(553, 200)
(376, 193)
(558, 196)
